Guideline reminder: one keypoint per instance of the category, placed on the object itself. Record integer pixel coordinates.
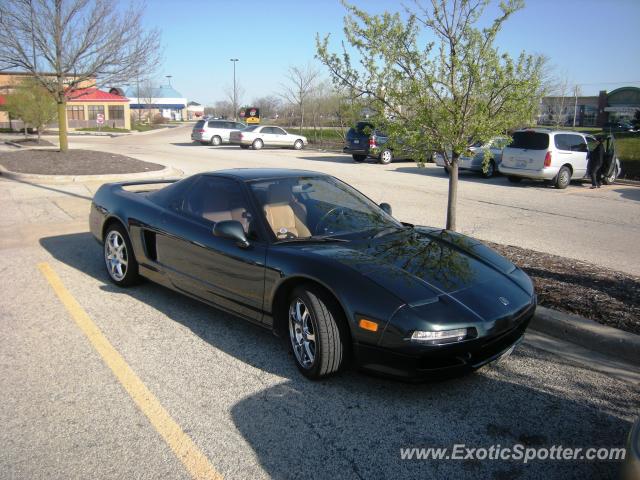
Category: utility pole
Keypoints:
(235, 100)
(575, 105)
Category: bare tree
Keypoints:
(75, 42)
(234, 94)
(301, 83)
(146, 94)
(270, 106)
(223, 108)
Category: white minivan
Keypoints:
(553, 155)
(214, 132)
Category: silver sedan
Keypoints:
(258, 136)
(474, 160)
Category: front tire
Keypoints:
(119, 258)
(257, 144)
(563, 179)
(314, 332)
(491, 170)
(298, 144)
(216, 140)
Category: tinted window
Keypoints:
(364, 127)
(199, 124)
(251, 129)
(530, 140)
(214, 199)
(267, 130)
(278, 131)
(572, 143)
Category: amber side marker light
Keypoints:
(368, 325)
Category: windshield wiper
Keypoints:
(388, 230)
(311, 239)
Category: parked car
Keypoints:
(214, 132)
(312, 259)
(553, 155)
(475, 161)
(364, 141)
(613, 127)
(258, 136)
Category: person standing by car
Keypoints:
(594, 164)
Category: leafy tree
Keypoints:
(33, 104)
(78, 42)
(636, 119)
(441, 94)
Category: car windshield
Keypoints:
(312, 207)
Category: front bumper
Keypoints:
(434, 362)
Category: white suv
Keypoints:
(214, 132)
(552, 155)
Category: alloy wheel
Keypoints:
(115, 255)
(302, 332)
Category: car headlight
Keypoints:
(440, 337)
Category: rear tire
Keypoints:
(216, 140)
(611, 179)
(257, 144)
(513, 179)
(315, 333)
(386, 156)
(359, 158)
(119, 258)
(563, 179)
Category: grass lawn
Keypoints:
(143, 127)
(628, 149)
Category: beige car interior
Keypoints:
(286, 216)
(217, 208)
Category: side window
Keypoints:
(277, 131)
(214, 199)
(240, 126)
(267, 130)
(571, 143)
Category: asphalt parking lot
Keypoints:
(213, 396)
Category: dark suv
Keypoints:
(364, 141)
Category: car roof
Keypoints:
(551, 131)
(246, 174)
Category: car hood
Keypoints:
(421, 265)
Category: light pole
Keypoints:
(235, 108)
(168, 77)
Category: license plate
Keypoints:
(356, 141)
(522, 164)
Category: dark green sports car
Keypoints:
(317, 262)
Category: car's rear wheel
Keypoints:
(563, 179)
(386, 156)
(316, 338)
(298, 144)
(359, 158)
(491, 170)
(513, 179)
(216, 140)
(611, 179)
(119, 259)
(257, 144)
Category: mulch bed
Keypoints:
(73, 162)
(32, 142)
(606, 296)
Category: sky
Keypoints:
(592, 43)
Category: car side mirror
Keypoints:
(231, 229)
(386, 207)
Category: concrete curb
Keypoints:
(587, 333)
(167, 172)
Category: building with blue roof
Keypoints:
(151, 101)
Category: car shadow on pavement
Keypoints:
(353, 425)
(629, 193)
(189, 144)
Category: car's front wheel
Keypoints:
(316, 338)
(216, 140)
(119, 259)
(298, 144)
(257, 144)
(491, 170)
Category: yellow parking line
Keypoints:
(187, 452)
